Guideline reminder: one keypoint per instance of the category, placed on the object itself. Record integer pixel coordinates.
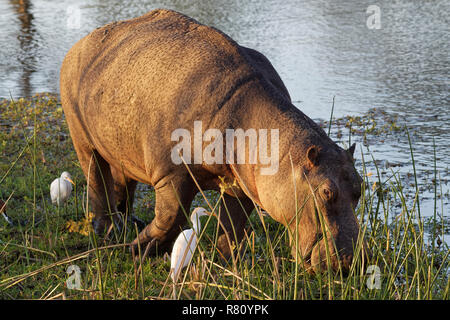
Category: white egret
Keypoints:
(185, 244)
(61, 188)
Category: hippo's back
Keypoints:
(160, 60)
(133, 82)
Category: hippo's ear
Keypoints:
(312, 155)
(351, 150)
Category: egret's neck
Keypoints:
(196, 225)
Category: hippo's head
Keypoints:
(328, 189)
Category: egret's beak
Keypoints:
(211, 214)
(70, 180)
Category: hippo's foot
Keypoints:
(151, 241)
(151, 248)
(132, 220)
(108, 226)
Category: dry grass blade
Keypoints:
(231, 273)
(9, 282)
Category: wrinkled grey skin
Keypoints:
(126, 86)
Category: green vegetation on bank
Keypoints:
(44, 240)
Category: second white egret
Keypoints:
(61, 188)
(184, 246)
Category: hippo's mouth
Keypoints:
(307, 257)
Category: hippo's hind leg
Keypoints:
(101, 194)
(124, 189)
(174, 196)
(100, 182)
(232, 230)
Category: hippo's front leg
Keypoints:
(233, 215)
(173, 195)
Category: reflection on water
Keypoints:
(25, 36)
(320, 48)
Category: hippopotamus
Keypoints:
(128, 86)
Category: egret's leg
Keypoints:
(173, 200)
(174, 292)
(232, 231)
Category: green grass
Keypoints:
(35, 253)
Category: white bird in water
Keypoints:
(61, 188)
(184, 246)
